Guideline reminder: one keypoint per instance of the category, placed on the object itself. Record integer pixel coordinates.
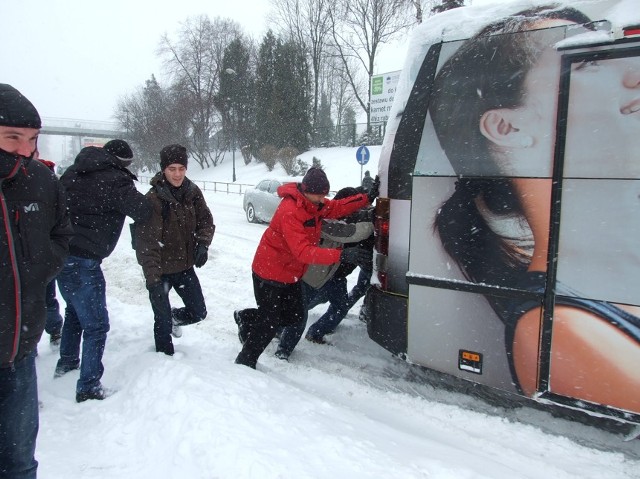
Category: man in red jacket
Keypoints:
(286, 248)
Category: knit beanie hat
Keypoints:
(119, 148)
(171, 154)
(16, 110)
(315, 182)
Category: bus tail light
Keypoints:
(381, 230)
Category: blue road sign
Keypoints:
(362, 155)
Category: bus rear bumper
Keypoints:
(386, 318)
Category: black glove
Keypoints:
(358, 256)
(375, 190)
(201, 255)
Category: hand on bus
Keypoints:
(375, 190)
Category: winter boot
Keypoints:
(243, 327)
(176, 330)
(62, 369)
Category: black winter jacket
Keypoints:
(34, 241)
(100, 194)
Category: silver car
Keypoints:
(260, 203)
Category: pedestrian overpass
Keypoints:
(81, 128)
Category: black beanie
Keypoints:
(16, 110)
(119, 148)
(171, 154)
(315, 182)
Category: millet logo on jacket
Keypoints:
(31, 207)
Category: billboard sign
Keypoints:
(383, 88)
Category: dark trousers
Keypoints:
(188, 287)
(279, 305)
(53, 325)
(361, 287)
(334, 291)
(19, 419)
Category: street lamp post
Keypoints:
(232, 72)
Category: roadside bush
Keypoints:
(300, 168)
(269, 156)
(287, 158)
(246, 154)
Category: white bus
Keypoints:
(508, 225)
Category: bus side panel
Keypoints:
(444, 322)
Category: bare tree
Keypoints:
(154, 117)
(308, 23)
(194, 63)
(359, 28)
(337, 89)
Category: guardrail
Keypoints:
(215, 186)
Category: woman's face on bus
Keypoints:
(603, 129)
(603, 135)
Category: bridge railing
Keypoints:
(81, 124)
(215, 186)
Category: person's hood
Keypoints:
(292, 190)
(93, 158)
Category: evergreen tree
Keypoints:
(447, 5)
(282, 95)
(324, 130)
(237, 100)
(265, 88)
(292, 96)
(348, 127)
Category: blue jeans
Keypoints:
(338, 309)
(19, 419)
(361, 287)
(334, 291)
(83, 287)
(188, 287)
(53, 325)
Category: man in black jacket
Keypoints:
(101, 193)
(34, 240)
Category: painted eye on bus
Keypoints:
(587, 65)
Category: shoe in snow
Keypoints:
(176, 329)
(62, 369)
(98, 393)
(243, 329)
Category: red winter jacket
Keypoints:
(290, 243)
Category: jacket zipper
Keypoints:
(14, 265)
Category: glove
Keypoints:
(358, 256)
(375, 190)
(201, 255)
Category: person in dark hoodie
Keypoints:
(101, 193)
(53, 325)
(171, 243)
(287, 247)
(34, 240)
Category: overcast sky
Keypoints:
(75, 58)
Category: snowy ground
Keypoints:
(344, 410)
